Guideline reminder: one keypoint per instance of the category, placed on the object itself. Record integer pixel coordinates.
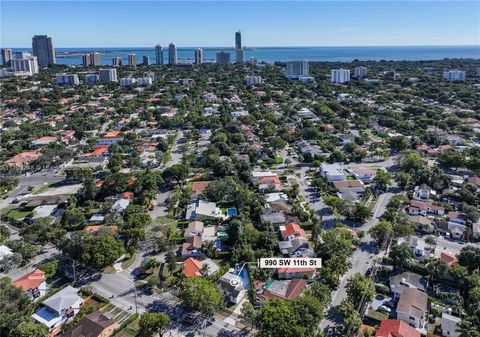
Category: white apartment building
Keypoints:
(360, 71)
(107, 75)
(340, 75)
(27, 64)
(144, 81)
(252, 80)
(297, 68)
(454, 75)
(91, 78)
(127, 81)
(71, 79)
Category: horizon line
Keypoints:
(278, 46)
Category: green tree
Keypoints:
(50, 269)
(151, 324)
(278, 318)
(360, 289)
(401, 255)
(30, 328)
(381, 232)
(15, 307)
(398, 143)
(249, 312)
(382, 180)
(351, 320)
(470, 258)
(73, 219)
(201, 294)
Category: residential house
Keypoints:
(44, 141)
(422, 192)
(232, 286)
(422, 224)
(120, 205)
(198, 189)
(43, 211)
(450, 325)
(421, 250)
(457, 217)
(351, 190)
(333, 172)
(4, 252)
(59, 308)
(276, 219)
(422, 208)
(297, 247)
(95, 324)
(195, 228)
(191, 247)
(282, 289)
(365, 174)
(34, 284)
(291, 231)
(448, 257)
(395, 328)
(23, 159)
(202, 210)
(287, 273)
(193, 267)
(412, 307)
(257, 175)
(456, 229)
(407, 280)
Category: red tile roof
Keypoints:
(292, 229)
(448, 257)
(192, 267)
(199, 186)
(30, 281)
(396, 328)
(22, 159)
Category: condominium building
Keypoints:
(86, 60)
(158, 54)
(252, 80)
(340, 75)
(127, 81)
(198, 56)
(7, 56)
(297, 68)
(91, 78)
(116, 61)
(239, 55)
(42, 47)
(145, 60)
(238, 47)
(454, 75)
(95, 59)
(26, 65)
(107, 75)
(172, 53)
(132, 60)
(360, 71)
(223, 58)
(70, 79)
(144, 81)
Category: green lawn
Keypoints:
(127, 263)
(17, 214)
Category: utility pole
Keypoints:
(74, 273)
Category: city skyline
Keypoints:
(343, 23)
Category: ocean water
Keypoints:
(282, 54)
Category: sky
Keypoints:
(263, 23)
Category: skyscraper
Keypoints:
(238, 40)
(107, 75)
(42, 47)
(116, 61)
(86, 60)
(238, 47)
(132, 59)
(198, 56)
(172, 53)
(7, 56)
(223, 58)
(158, 54)
(95, 59)
(146, 60)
